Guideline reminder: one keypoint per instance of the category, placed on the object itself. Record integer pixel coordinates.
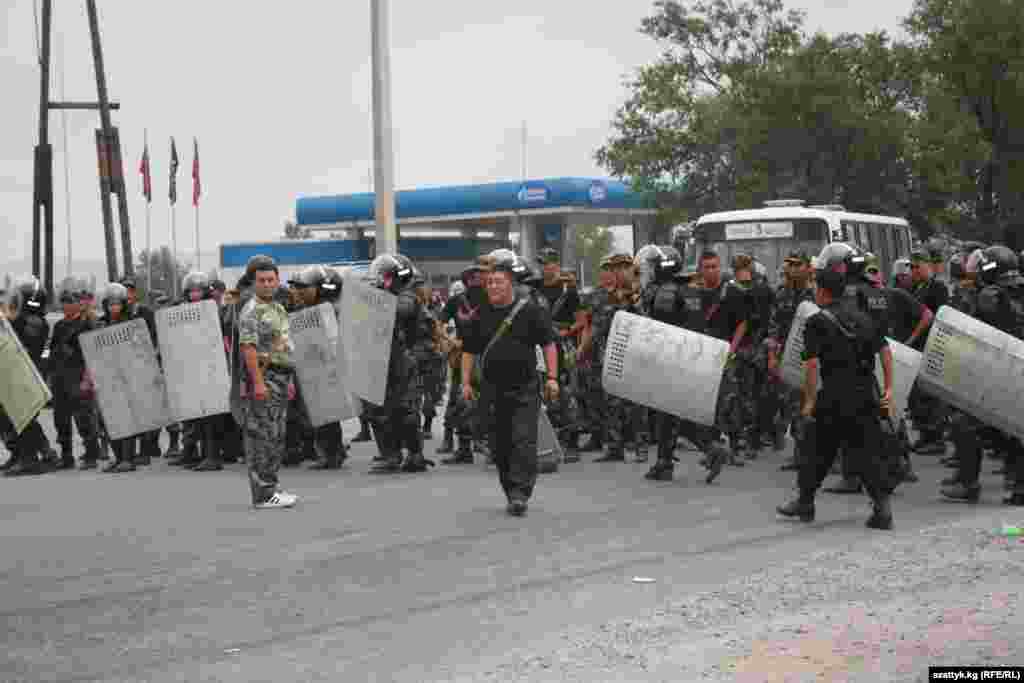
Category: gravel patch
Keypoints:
(884, 608)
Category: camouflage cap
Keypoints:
(798, 256)
(548, 255)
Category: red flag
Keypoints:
(147, 181)
(196, 186)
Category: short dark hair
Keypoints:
(832, 282)
(708, 254)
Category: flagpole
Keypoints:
(174, 247)
(198, 267)
(149, 232)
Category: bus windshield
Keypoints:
(767, 241)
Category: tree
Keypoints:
(168, 273)
(975, 50)
(592, 243)
(292, 231)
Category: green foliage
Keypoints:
(592, 244)
(742, 106)
(167, 274)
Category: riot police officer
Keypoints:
(28, 304)
(72, 391)
(116, 310)
(1000, 303)
(200, 451)
(842, 341)
(315, 285)
(928, 413)
(396, 423)
(671, 300)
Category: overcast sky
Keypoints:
(279, 97)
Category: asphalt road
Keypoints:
(164, 575)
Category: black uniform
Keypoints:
(67, 368)
(33, 330)
(1002, 307)
(396, 423)
(509, 393)
(847, 410)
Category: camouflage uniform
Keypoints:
(265, 326)
(563, 411)
(599, 306)
(426, 367)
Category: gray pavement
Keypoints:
(165, 575)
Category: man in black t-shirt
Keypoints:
(504, 335)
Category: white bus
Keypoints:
(769, 233)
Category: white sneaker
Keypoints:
(278, 500)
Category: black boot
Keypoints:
(416, 463)
(962, 492)
(881, 516)
(174, 448)
(846, 485)
(571, 448)
(428, 428)
(67, 460)
(364, 433)
(613, 454)
(717, 456)
(662, 470)
(447, 445)
(594, 443)
(464, 456)
(798, 508)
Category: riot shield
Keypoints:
(23, 392)
(977, 368)
(668, 368)
(195, 368)
(792, 363)
(368, 321)
(906, 363)
(314, 332)
(237, 366)
(130, 388)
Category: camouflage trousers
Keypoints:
(458, 414)
(433, 386)
(929, 414)
(564, 412)
(737, 398)
(625, 423)
(396, 423)
(264, 433)
(594, 400)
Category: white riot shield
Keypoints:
(314, 332)
(368, 321)
(977, 368)
(342, 355)
(192, 350)
(130, 388)
(23, 392)
(906, 362)
(792, 363)
(664, 367)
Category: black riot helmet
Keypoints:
(665, 261)
(517, 268)
(310, 276)
(391, 272)
(196, 280)
(331, 289)
(29, 296)
(75, 289)
(998, 262)
(115, 293)
(843, 258)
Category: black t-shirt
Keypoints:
(566, 313)
(512, 361)
(905, 312)
(725, 309)
(846, 365)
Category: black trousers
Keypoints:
(508, 417)
(850, 421)
(26, 446)
(967, 436)
(67, 405)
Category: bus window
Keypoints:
(769, 241)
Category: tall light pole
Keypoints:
(386, 233)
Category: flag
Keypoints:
(196, 187)
(173, 193)
(147, 182)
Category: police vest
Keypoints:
(665, 302)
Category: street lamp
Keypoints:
(386, 234)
